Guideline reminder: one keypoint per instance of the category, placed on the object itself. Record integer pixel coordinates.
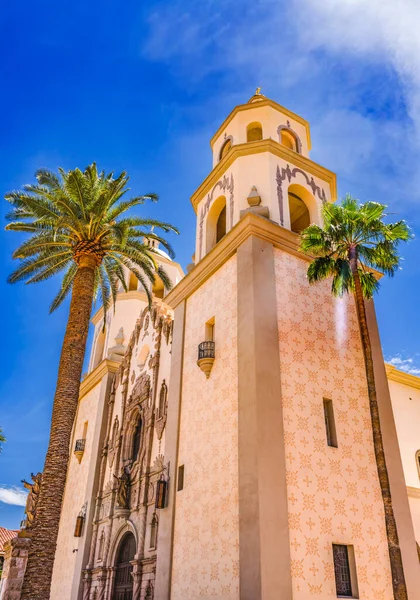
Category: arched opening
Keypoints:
(216, 223)
(132, 282)
(99, 347)
(158, 289)
(254, 132)
(225, 148)
(289, 140)
(136, 440)
(221, 225)
(123, 589)
(299, 213)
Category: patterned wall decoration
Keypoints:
(333, 493)
(225, 184)
(289, 174)
(206, 537)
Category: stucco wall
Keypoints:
(333, 493)
(206, 537)
(406, 406)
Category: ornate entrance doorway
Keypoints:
(123, 589)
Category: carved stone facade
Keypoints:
(131, 462)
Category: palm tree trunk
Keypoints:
(397, 569)
(37, 582)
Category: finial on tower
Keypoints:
(258, 91)
(257, 97)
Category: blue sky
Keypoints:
(142, 87)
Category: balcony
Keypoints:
(206, 355)
(79, 449)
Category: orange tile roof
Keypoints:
(6, 535)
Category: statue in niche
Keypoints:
(32, 499)
(123, 487)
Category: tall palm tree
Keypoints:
(354, 241)
(78, 227)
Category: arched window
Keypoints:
(299, 213)
(132, 283)
(418, 462)
(153, 532)
(136, 440)
(158, 289)
(99, 347)
(225, 148)
(254, 132)
(221, 225)
(216, 223)
(162, 399)
(288, 139)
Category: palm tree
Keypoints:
(78, 227)
(2, 438)
(354, 241)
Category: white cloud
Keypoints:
(408, 365)
(12, 495)
(381, 30)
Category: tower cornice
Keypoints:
(262, 103)
(250, 224)
(273, 147)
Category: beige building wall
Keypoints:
(333, 493)
(405, 397)
(206, 536)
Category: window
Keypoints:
(99, 346)
(330, 423)
(288, 139)
(418, 462)
(254, 132)
(345, 571)
(158, 289)
(136, 440)
(299, 213)
(209, 330)
(225, 148)
(216, 223)
(132, 283)
(180, 478)
(153, 532)
(221, 225)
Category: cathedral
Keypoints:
(222, 446)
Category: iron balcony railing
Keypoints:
(206, 350)
(80, 445)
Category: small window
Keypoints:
(418, 462)
(221, 225)
(180, 478)
(225, 148)
(254, 132)
(132, 283)
(288, 140)
(345, 571)
(299, 213)
(209, 330)
(158, 289)
(330, 424)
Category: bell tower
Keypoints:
(273, 489)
